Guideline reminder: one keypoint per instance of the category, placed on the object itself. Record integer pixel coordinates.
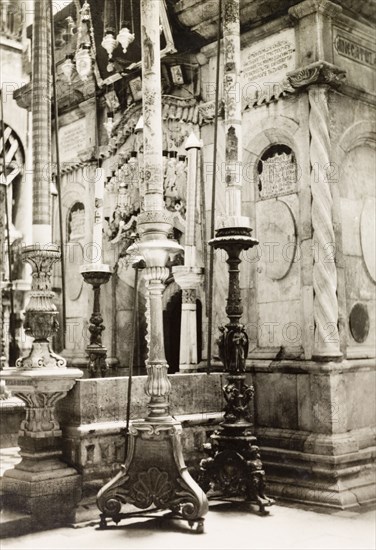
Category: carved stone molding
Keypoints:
(40, 413)
(319, 72)
(325, 7)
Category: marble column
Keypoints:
(317, 78)
(325, 303)
(189, 276)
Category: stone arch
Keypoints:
(75, 225)
(269, 132)
(352, 220)
(76, 193)
(360, 133)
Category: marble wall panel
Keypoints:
(276, 400)
(360, 399)
(279, 324)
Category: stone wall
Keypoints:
(93, 419)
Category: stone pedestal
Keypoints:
(189, 279)
(41, 484)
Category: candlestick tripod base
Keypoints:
(154, 478)
(234, 469)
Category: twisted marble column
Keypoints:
(324, 267)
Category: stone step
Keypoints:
(13, 523)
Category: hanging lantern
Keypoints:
(125, 37)
(110, 123)
(68, 67)
(109, 43)
(85, 43)
(83, 62)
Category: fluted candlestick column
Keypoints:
(152, 105)
(233, 114)
(41, 129)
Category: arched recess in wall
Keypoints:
(15, 160)
(74, 253)
(356, 216)
(269, 132)
(12, 146)
(273, 163)
(172, 300)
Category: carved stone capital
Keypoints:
(325, 7)
(188, 277)
(40, 390)
(319, 72)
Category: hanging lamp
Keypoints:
(85, 43)
(109, 42)
(125, 36)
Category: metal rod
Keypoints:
(58, 177)
(12, 326)
(212, 222)
(131, 355)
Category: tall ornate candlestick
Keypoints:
(234, 468)
(96, 275)
(154, 472)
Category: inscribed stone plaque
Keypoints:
(278, 176)
(73, 139)
(265, 64)
(356, 53)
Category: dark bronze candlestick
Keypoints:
(97, 365)
(234, 468)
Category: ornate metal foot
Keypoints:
(166, 484)
(103, 522)
(234, 471)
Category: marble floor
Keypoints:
(227, 526)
